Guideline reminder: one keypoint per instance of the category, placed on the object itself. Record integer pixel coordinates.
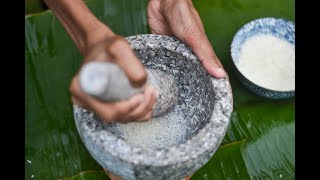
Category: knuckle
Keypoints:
(181, 6)
(189, 35)
(116, 44)
(128, 118)
(178, 5)
(113, 116)
(121, 107)
(107, 117)
(121, 114)
(167, 6)
(116, 113)
(148, 116)
(139, 78)
(133, 116)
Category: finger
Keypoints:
(191, 34)
(198, 19)
(201, 46)
(215, 62)
(196, 15)
(106, 111)
(146, 117)
(96, 51)
(118, 111)
(123, 55)
(158, 26)
(125, 107)
(146, 106)
(156, 21)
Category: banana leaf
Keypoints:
(259, 143)
(33, 6)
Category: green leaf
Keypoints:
(227, 163)
(268, 153)
(33, 6)
(94, 175)
(53, 147)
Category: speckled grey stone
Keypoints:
(205, 102)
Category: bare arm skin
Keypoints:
(96, 41)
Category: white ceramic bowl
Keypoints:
(280, 28)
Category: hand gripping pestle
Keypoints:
(107, 82)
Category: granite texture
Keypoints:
(168, 91)
(204, 102)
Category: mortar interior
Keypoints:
(191, 112)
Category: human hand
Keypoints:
(106, 46)
(97, 42)
(179, 18)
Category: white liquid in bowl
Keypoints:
(269, 62)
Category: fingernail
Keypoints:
(221, 72)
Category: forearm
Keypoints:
(78, 21)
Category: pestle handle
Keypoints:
(106, 81)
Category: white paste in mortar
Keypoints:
(268, 61)
(156, 133)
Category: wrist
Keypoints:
(82, 26)
(99, 32)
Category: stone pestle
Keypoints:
(107, 82)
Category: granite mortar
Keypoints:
(204, 102)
